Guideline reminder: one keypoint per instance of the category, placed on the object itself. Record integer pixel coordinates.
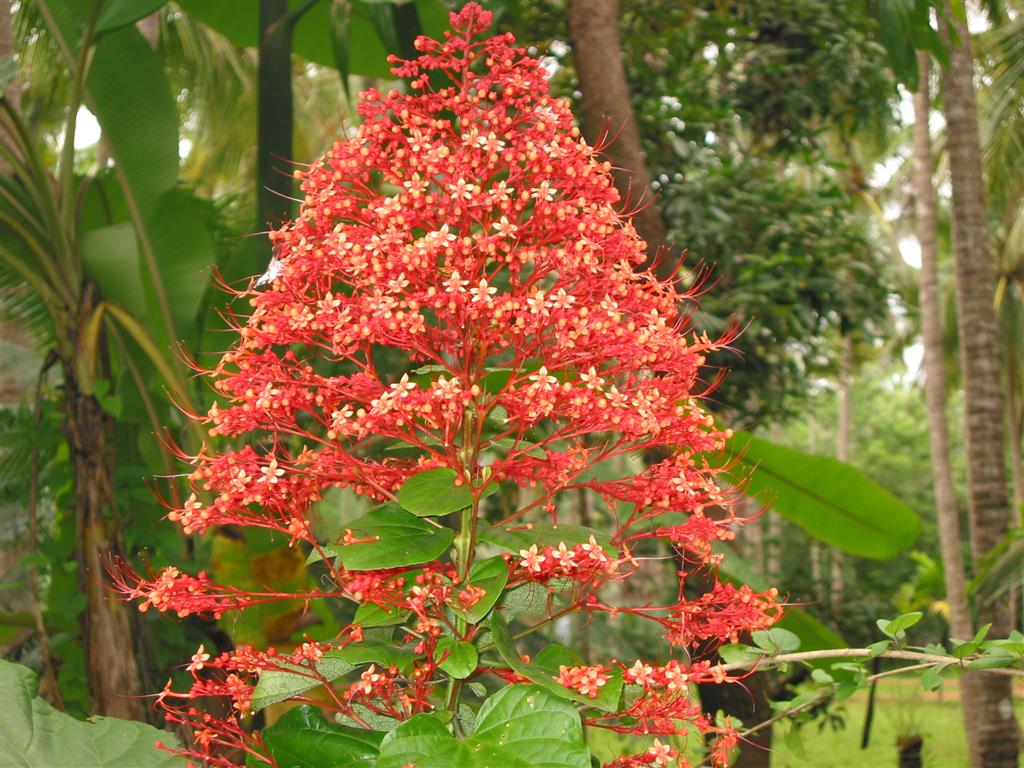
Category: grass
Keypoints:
(902, 707)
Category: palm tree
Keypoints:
(44, 258)
(997, 734)
(935, 380)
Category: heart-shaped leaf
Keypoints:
(434, 492)
(490, 575)
(397, 538)
(521, 726)
(302, 738)
(460, 658)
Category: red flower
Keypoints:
(471, 233)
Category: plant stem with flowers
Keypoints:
(469, 237)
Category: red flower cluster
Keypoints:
(468, 240)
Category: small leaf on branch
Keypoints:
(489, 575)
(460, 658)
(776, 640)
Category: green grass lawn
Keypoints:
(902, 708)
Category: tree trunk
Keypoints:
(110, 650)
(950, 542)
(845, 402)
(934, 367)
(993, 720)
(274, 130)
(607, 113)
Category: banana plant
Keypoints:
(113, 267)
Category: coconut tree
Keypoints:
(997, 734)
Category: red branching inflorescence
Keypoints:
(468, 234)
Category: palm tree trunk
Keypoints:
(993, 719)
(836, 576)
(113, 673)
(950, 542)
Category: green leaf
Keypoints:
(373, 615)
(35, 735)
(111, 256)
(545, 668)
(433, 493)
(340, 12)
(121, 13)
(460, 658)
(821, 676)
(931, 678)
(877, 649)
(795, 742)
(302, 738)
(133, 103)
(279, 685)
(739, 652)
(274, 685)
(903, 622)
(8, 71)
(834, 502)
(544, 535)
(521, 726)
(993, 659)
(375, 720)
(130, 95)
(479, 689)
(490, 575)
(776, 640)
(400, 539)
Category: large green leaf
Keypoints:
(433, 493)
(132, 100)
(111, 256)
(302, 738)
(398, 539)
(832, 501)
(120, 13)
(521, 726)
(185, 256)
(35, 735)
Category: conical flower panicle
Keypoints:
(468, 238)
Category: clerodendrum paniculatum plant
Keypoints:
(468, 233)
